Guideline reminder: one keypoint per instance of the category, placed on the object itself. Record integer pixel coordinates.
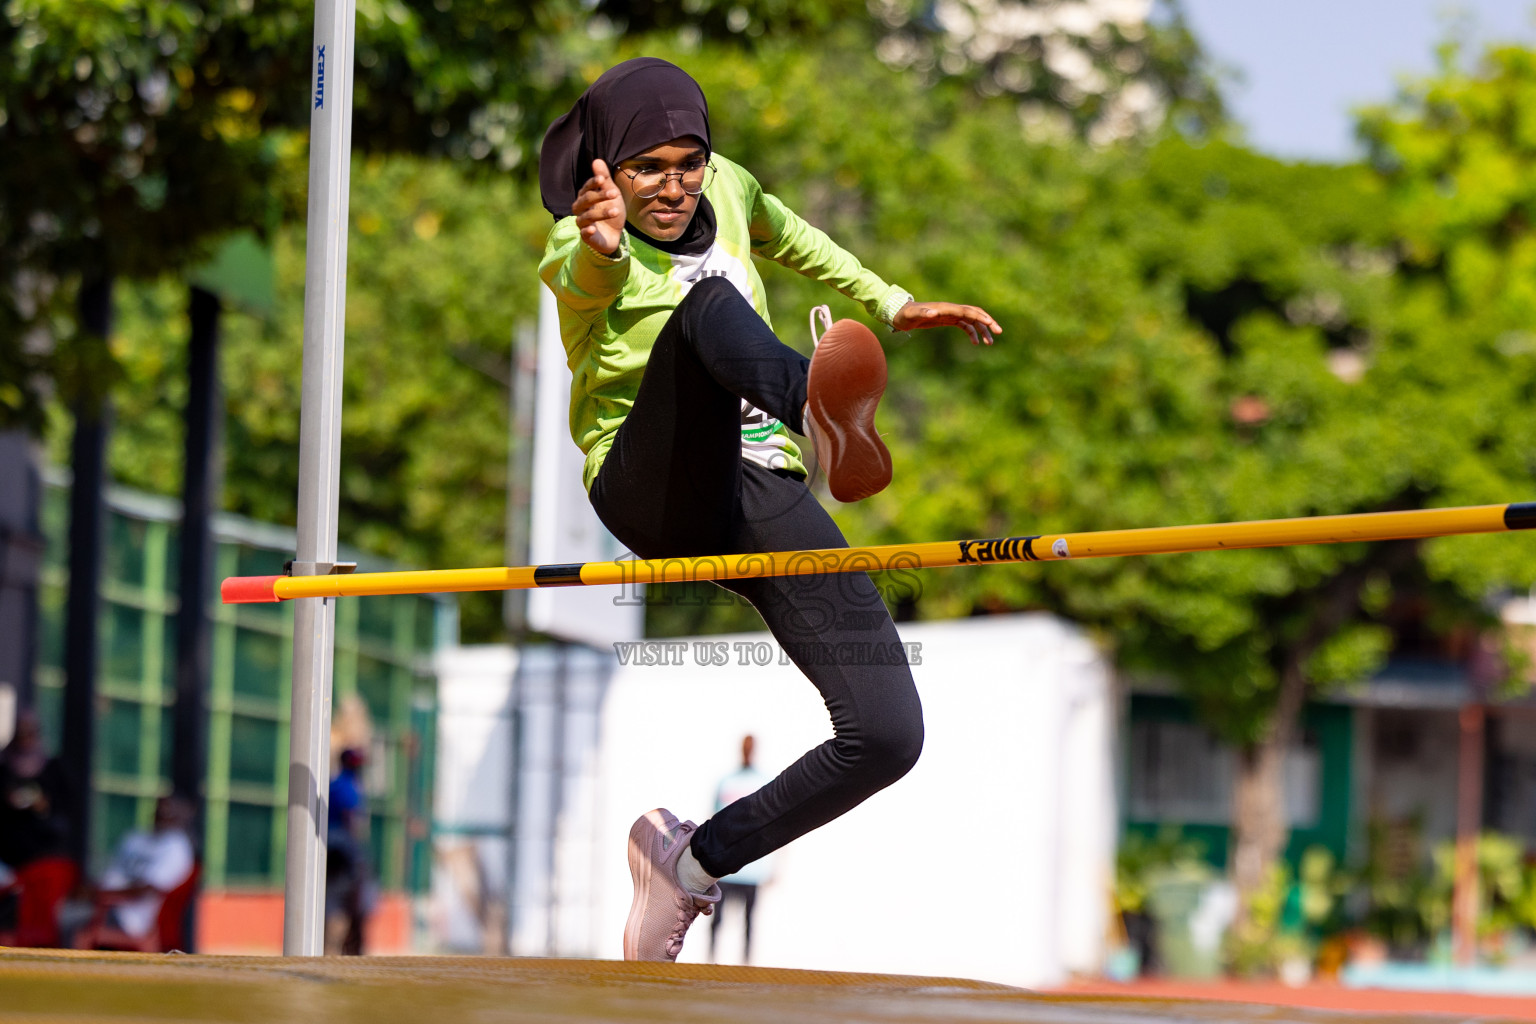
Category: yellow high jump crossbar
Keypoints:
(1050, 547)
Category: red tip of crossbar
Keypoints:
(250, 589)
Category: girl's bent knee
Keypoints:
(890, 752)
(901, 750)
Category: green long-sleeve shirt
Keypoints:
(612, 308)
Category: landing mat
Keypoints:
(53, 986)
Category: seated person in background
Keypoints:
(145, 867)
(34, 810)
(34, 798)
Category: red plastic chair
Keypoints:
(42, 884)
(173, 913)
(166, 935)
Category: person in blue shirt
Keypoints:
(348, 881)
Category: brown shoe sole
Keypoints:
(847, 379)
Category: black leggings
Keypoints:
(674, 484)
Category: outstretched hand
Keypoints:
(974, 320)
(599, 211)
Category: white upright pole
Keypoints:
(325, 295)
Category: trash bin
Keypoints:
(1192, 911)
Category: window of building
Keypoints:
(382, 654)
(1180, 772)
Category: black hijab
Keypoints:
(633, 106)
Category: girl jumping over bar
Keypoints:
(682, 400)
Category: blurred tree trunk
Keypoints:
(87, 535)
(1260, 830)
(1259, 826)
(202, 485)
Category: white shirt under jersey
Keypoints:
(762, 441)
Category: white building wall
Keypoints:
(1089, 822)
(472, 799)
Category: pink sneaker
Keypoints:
(847, 379)
(662, 911)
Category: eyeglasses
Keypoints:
(694, 178)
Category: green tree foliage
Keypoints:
(441, 269)
(1456, 155)
(137, 134)
(739, 20)
(120, 155)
